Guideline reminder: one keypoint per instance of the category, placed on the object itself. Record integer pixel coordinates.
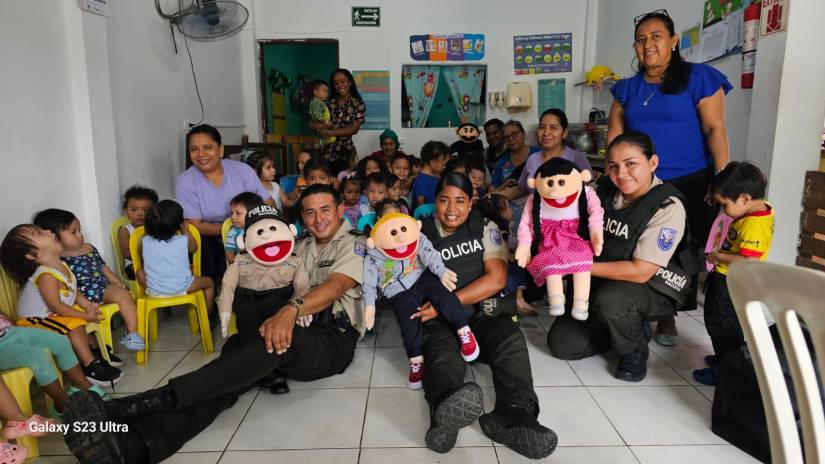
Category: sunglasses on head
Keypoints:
(642, 17)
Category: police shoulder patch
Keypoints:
(495, 237)
(667, 238)
(360, 249)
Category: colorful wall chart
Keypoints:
(543, 53)
(374, 87)
(447, 47)
(723, 28)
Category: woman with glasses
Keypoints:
(511, 162)
(204, 191)
(681, 106)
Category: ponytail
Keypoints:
(584, 216)
(534, 212)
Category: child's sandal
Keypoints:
(556, 308)
(580, 310)
(13, 454)
(17, 429)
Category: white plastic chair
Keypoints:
(788, 293)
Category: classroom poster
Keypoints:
(723, 29)
(551, 94)
(447, 47)
(689, 45)
(543, 53)
(374, 87)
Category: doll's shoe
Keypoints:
(556, 305)
(469, 346)
(13, 454)
(34, 426)
(416, 375)
(580, 310)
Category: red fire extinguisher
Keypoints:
(752, 13)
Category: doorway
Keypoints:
(288, 68)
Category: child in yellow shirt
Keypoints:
(740, 190)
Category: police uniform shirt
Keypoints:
(493, 243)
(663, 233)
(245, 272)
(344, 254)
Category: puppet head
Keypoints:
(396, 236)
(268, 238)
(559, 183)
(468, 132)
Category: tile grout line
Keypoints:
(369, 390)
(238, 427)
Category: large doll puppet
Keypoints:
(562, 229)
(262, 279)
(402, 263)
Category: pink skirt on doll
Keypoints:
(561, 251)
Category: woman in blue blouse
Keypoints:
(681, 106)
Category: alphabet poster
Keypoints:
(442, 47)
(543, 53)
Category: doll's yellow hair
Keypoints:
(386, 218)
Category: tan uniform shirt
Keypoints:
(343, 255)
(494, 245)
(665, 223)
(247, 273)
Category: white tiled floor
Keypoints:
(367, 415)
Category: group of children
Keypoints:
(64, 279)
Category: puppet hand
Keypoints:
(225, 318)
(522, 255)
(369, 316)
(597, 239)
(304, 321)
(449, 279)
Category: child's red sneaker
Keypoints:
(416, 375)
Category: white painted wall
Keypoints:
(153, 93)
(39, 124)
(387, 47)
(614, 48)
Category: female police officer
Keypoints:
(475, 250)
(644, 270)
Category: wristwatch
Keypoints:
(298, 303)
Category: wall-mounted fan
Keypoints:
(207, 20)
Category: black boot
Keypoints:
(275, 382)
(84, 414)
(516, 426)
(632, 367)
(457, 410)
(124, 410)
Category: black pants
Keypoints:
(318, 351)
(213, 259)
(618, 312)
(427, 288)
(503, 348)
(720, 316)
(252, 308)
(700, 217)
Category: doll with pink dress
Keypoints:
(561, 229)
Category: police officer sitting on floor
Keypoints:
(643, 273)
(161, 420)
(474, 249)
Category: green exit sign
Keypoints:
(366, 16)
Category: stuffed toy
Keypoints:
(265, 276)
(468, 146)
(562, 229)
(402, 264)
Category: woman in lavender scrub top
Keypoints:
(205, 189)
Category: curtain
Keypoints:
(465, 86)
(421, 84)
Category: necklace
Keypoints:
(650, 96)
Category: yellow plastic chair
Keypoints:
(227, 224)
(146, 305)
(119, 260)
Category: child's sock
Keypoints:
(469, 346)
